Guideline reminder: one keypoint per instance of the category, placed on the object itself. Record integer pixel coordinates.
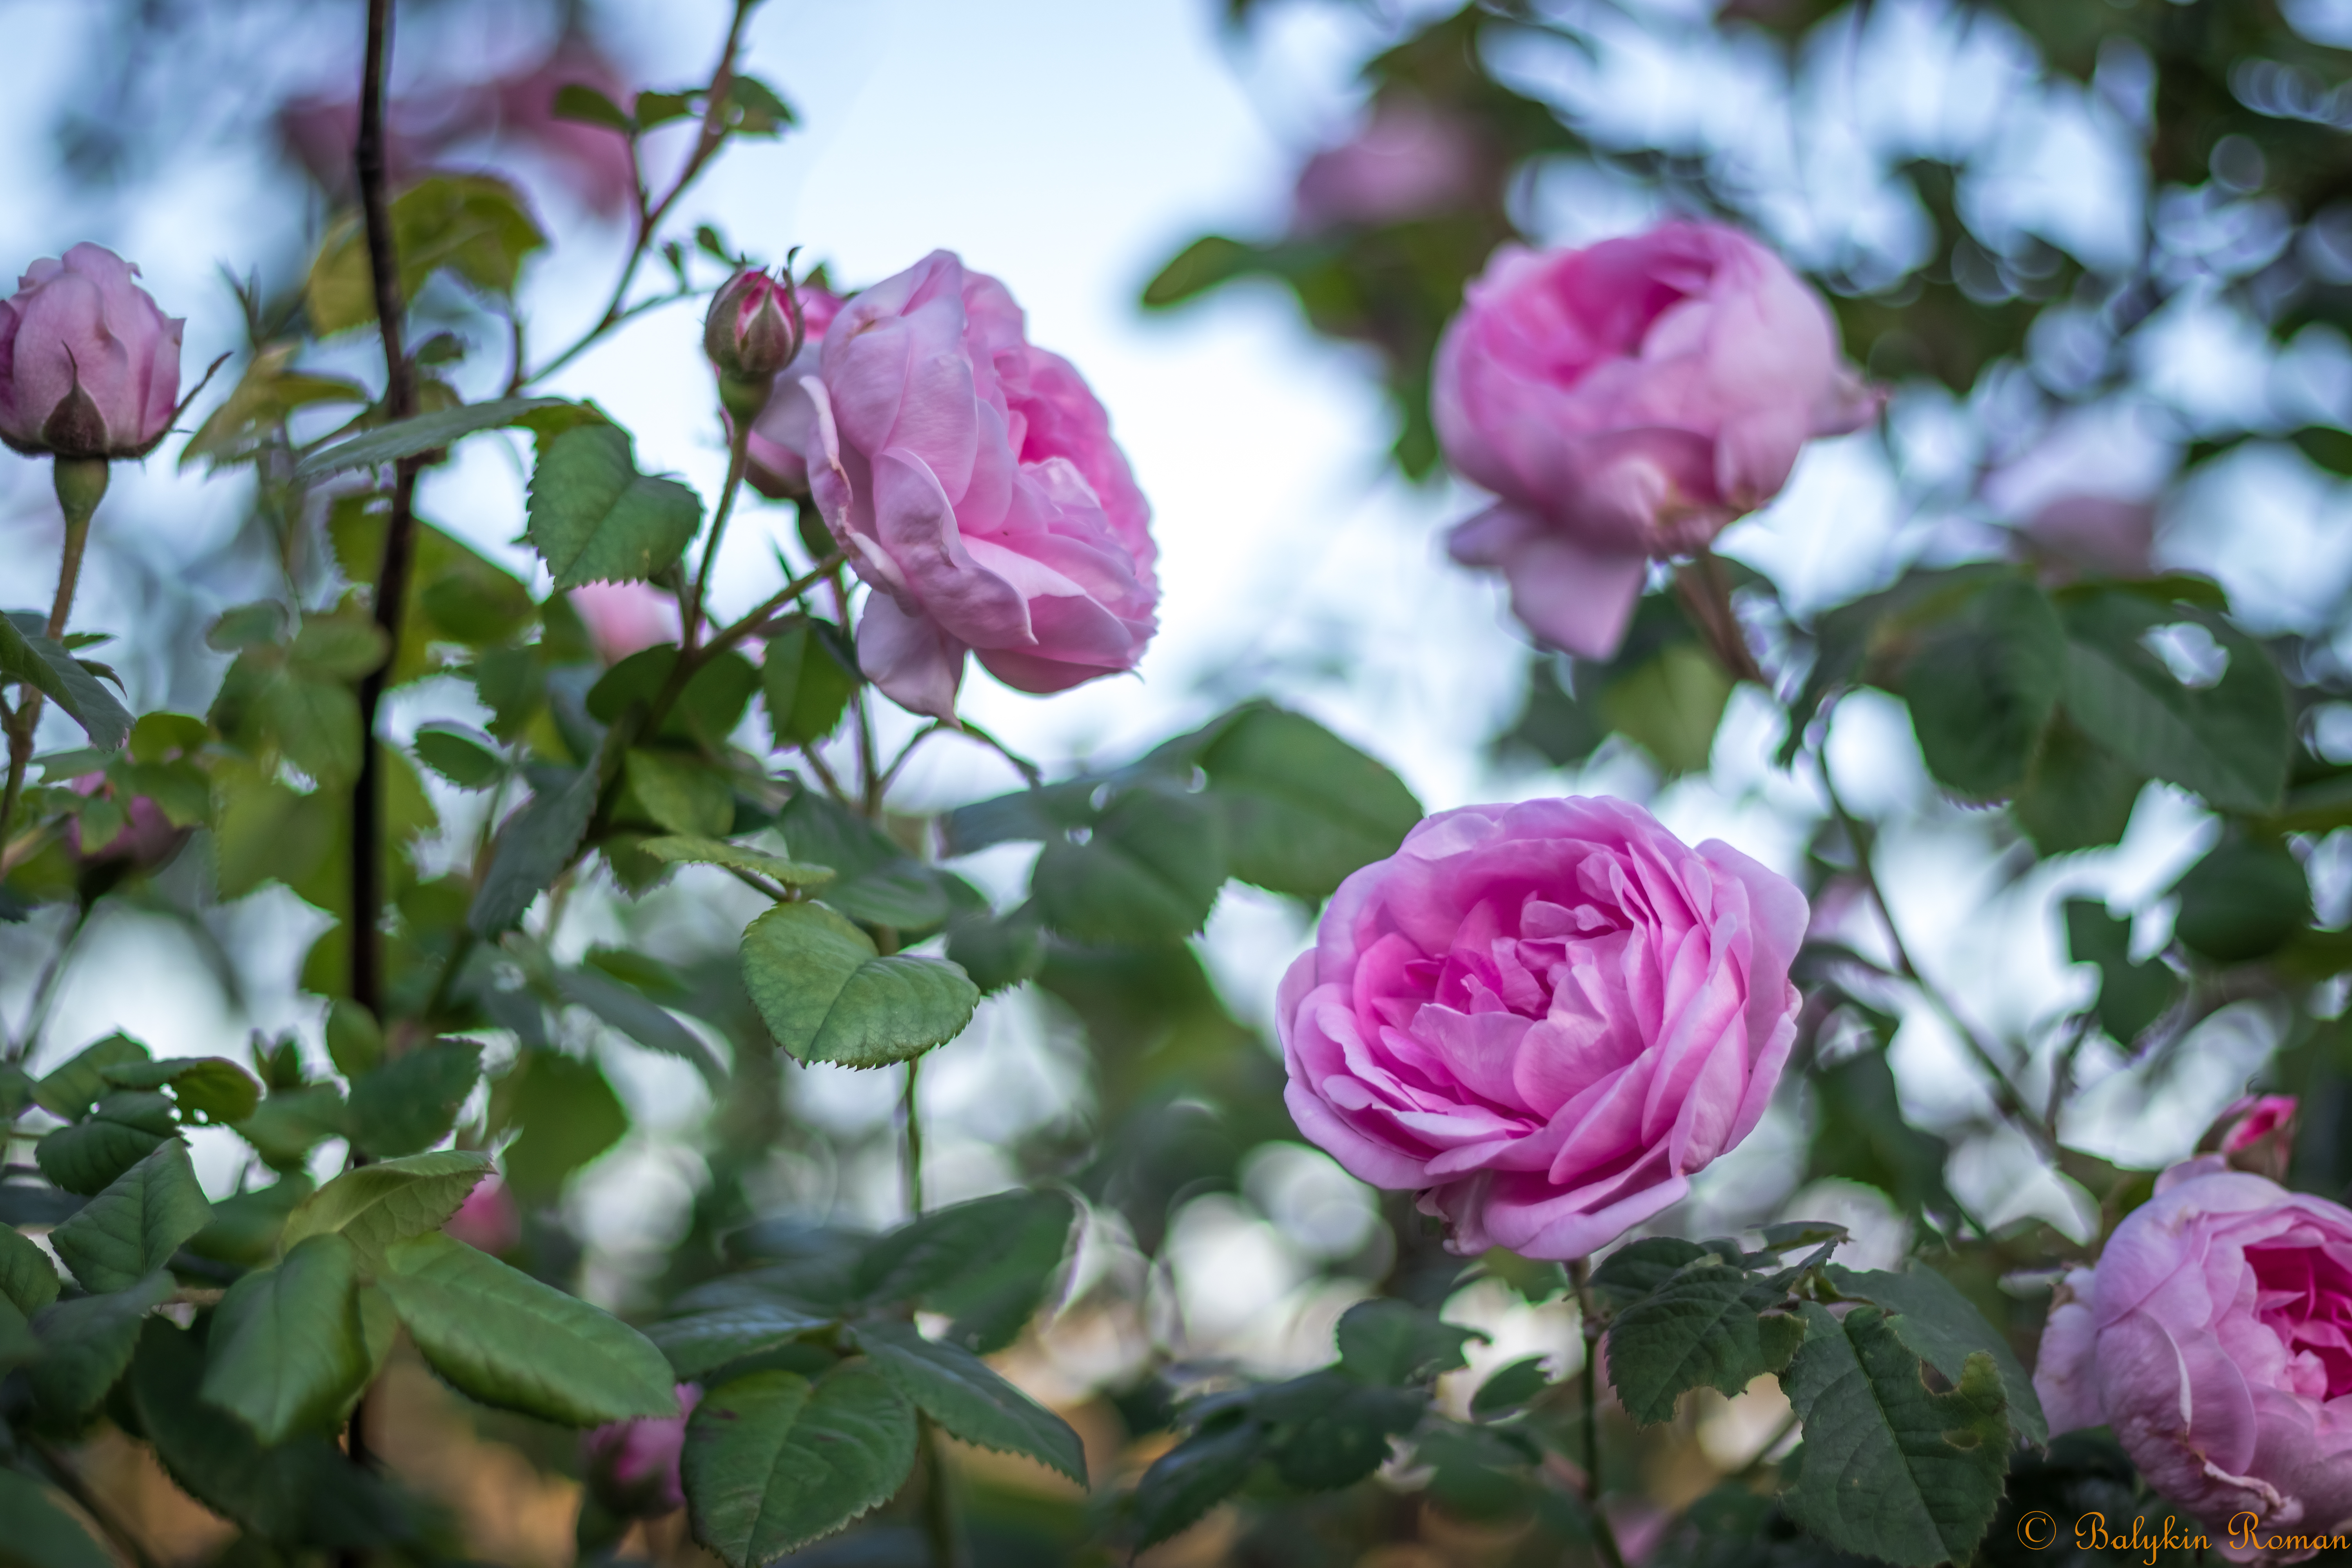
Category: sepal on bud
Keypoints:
(754, 326)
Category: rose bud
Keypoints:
(782, 430)
(2214, 1337)
(753, 331)
(488, 1220)
(633, 1465)
(88, 366)
(2255, 1133)
(1544, 1018)
(1624, 403)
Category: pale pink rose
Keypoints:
(487, 1219)
(2215, 1338)
(623, 618)
(2255, 1133)
(1409, 161)
(787, 427)
(1544, 1017)
(2106, 535)
(973, 482)
(596, 161)
(90, 367)
(147, 841)
(1624, 402)
(633, 1465)
(323, 131)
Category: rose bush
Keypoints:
(1544, 1016)
(2215, 1337)
(89, 366)
(973, 480)
(1624, 402)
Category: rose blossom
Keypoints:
(623, 618)
(488, 1220)
(88, 366)
(2215, 1337)
(973, 480)
(2255, 1133)
(633, 1465)
(1408, 161)
(1624, 402)
(786, 426)
(1544, 1017)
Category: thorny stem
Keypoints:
(1580, 1274)
(2006, 1097)
(649, 219)
(81, 483)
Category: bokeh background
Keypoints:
(1073, 148)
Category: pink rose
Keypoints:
(596, 161)
(147, 840)
(623, 618)
(487, 1219)
(2106, 536)
(2255, 1133)
(973, 482)
(88, 366)
(787, 425)
(1409, 161)
(1544, 1017)
(1625, 402)
(2215, 1337)
(633, 1465)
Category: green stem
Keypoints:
(81, 485)
(913, 1150)
(939, 1532)
(45, 989)
(1580, 1274)
(738, 457)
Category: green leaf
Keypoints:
(1981, 688)
(702, 1343)
(2131, 996)
(1928, 1314)
(987, 1262)
(660, 108)
(704, 714)
(2078, 794)
(266, 832)
(696, 851)
(411, 1102)
(580, 102)
(533, 848)
(254, 414)
(1331, 1430)
(1198, 267)
(958, 1391)
(1669, 705)
(997, 953)
(1192, 1477)
(131, 1228)
(875, 881)
(208, 1089)
(466, 757)
(507, 1341)
(1508, 1387)
(681, 792)
(641, 1020)
(596, 519)
(245, 1226)
(473, 226)
(1148, 871)
(2227, 741)
(773, 1461)
(1701, 1327)
(1639, 1266)
(293, 1122)
(74, 1087)
(41, 1533)
(389, 1201)
(807, 676)
(27, 1278)
(827, 995)
(1889, 1467)
(1395, 1342)
(86, 1343)
(26, 655)
(755, 109)
(1303, 808)
(2241, 902)
(569, 1115)
(285, 1352)
(1861, 1135)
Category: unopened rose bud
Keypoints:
(487, 1219)
(633, 1465)
(752, 331)
(2255, 1133)
(90, 367)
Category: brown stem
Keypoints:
(70, 1482)
(81, 483)
(1704, 593)
(1580, 1274)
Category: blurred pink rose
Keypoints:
(633, 1465)
(973, 482)
(596, 161)
(147, 841)
(2107, 536)
(2215, 1337)
(1408, 161)
(1624, 402)
(2255, 1133)
(90, 367)
(487, 1219)
(1544, 1016)
(623, 618)
(787, 425)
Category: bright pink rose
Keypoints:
(88, 366)
(1544, 1017)
(633, 1465)
(1409, 161)
(787, 425)
(2215, 1337)
(1624, 402)
(487, 1219)
(623, 618)
(973, 482)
